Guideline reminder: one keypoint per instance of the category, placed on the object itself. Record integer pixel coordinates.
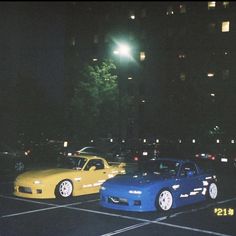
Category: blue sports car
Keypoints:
(169, 183)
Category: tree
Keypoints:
(94, 106)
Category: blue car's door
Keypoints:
(189, 185)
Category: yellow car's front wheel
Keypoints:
(64, 189)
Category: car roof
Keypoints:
(88, 156)
(175, 159)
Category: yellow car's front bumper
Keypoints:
(33, 190)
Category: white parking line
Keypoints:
(55, 206)
(145, 221)
(157, 221)
(126, 229)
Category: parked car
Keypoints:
(74, 176)
(90, 150)
(13, 159)
(168, 183)
(87, 150)
(46, 152)
(152, 151)
(217, 156)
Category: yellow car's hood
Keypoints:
(44, 173)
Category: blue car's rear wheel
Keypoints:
(212, 191)
(164, 200)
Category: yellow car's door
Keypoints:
(91, 177)
(97, 172)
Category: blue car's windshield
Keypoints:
(72, 163)
(162, 167)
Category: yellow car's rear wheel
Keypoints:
(64, 189)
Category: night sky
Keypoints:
(32, 44)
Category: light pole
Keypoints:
(122, 51)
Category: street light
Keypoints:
(122, 51)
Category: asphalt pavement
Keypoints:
(82, 215)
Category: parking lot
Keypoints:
(83, 216)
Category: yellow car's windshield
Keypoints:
(72, 163)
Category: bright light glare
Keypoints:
(123, 50)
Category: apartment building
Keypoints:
(182, 73)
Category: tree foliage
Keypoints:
(94, 104)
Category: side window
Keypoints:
(97, 163)
(188, 167)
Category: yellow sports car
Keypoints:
(74, 176)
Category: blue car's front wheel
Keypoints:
(164, 200)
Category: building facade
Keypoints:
(182, 73)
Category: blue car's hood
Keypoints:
(137, 179)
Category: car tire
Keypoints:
(212, 191)
(19, 166)
(164, 200)
(64, 189)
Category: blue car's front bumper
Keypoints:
(123, 200)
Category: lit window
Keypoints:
(225, 4)
(170, 11)
(131, 15)
(182, 56)
(210, 74)
(182, 76)
(142, 56)
(182, 8)
(225, 26)
(211, 5)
